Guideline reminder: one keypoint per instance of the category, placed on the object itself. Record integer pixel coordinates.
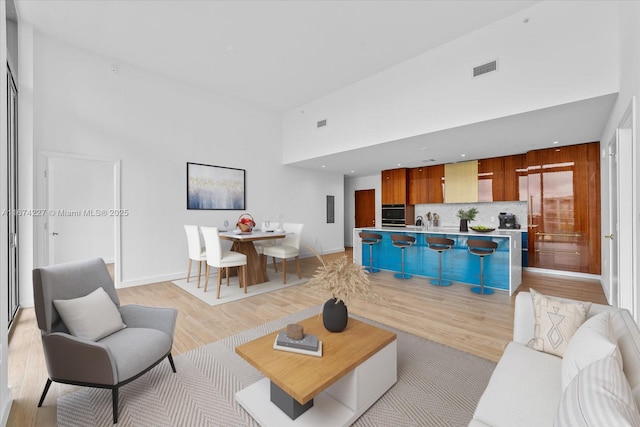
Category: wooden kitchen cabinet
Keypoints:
(426, 185)
(515, 178)
(491, 180)
(394, 186)
(564, 208)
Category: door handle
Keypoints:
(609, 236)
(54, 233)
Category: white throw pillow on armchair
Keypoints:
(93, 316)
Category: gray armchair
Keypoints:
(109, 362)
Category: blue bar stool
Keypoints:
(402, 241)
(370, 239)
(481, 248)
(440, 244)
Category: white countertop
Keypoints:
(447, 230)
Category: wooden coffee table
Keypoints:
(357, 366)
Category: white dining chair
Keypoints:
(220, 259)
(289, 248)
(197, 251)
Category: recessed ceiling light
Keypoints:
(428, 160)
(323, 166)
(352, 171)
(399, 164)
(463, 155)
(555, 142)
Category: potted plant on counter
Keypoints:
(466, 216)
(340, 280)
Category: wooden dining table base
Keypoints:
(255, 271)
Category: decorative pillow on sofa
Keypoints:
(556, 322)
(92, 316)
(598, 396)
(593, 341)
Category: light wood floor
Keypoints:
(481, 325)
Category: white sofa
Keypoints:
(526, 388)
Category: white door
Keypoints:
(81, 203)
(613, 236)
(625, 229)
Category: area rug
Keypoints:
(437, 386)
(233, 292)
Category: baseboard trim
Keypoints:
(150, 280)
(563, 273)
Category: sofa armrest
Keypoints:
(74, 359)
(523, 318)
(139, 316)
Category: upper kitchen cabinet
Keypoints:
(491, 180)
(461, 182)
(515, 178)
(394, 186)
(426, 185)
(564, 208)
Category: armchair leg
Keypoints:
(44, 392)
(114, 397)
(173, 367)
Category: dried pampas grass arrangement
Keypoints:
(341, 279)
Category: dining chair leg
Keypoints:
(298, 267)
(206, 280)
(226, 273)
(275, 266)
(199, 272)
(219, 282)
(244, 277)
(189, 270)
(284, 271)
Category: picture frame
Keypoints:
(211, 187)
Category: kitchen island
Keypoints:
(503, 269)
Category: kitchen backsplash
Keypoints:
(487, 212)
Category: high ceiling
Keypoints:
(276, 54)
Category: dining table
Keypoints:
(243, 243)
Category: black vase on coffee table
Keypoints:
(335, 315)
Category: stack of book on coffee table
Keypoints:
(309, 344)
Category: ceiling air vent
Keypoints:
(485, 68)
(322, 123)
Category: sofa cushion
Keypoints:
(524, 389)
(598, 396)
(593, 341)
(555, 322)
(93, 316)
(134, 349)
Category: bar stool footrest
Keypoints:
(437, 282)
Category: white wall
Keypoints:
(565, 53)
(629, 83)
(155, 126)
